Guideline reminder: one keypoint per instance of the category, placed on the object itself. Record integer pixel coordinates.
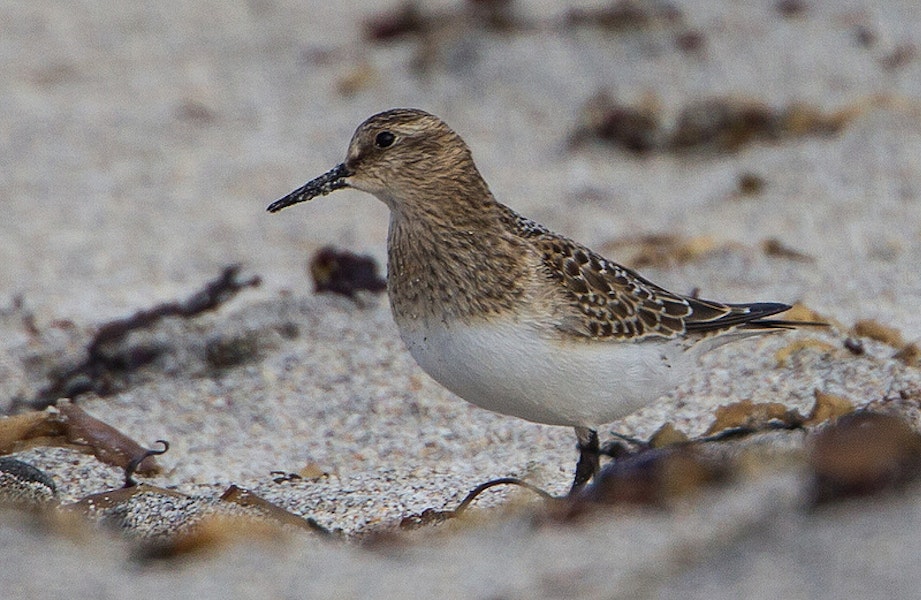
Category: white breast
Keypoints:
(510, 368)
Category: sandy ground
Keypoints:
(141, 144)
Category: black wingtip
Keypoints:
(759, 310)
(742, 316)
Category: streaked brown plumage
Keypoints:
(508, 314)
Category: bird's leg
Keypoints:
(589, 457)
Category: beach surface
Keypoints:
(142, 143)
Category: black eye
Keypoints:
(384, 139)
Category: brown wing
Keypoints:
(612, 301)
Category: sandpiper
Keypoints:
(507, 314)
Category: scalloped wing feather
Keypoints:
(612, 301)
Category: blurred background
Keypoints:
(751, 150)
(769, 147)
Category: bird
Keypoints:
(509, 315)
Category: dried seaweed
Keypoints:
(107, 443)
(750, 184)
(409, 21)
(793, 349)
(210, 534)
(70, 425)
(748, 416)
(724, 124)
(906, 352)
(775, 248)
(18, 430)
(863, 453)
(431, 516)
(108, 355)
(242, 497)
(898, 57)
(626, 15)
(875, 330)
(791, 8)
(109, 499)
(346, 273)
(22, 485)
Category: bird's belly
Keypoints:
(511, 368)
